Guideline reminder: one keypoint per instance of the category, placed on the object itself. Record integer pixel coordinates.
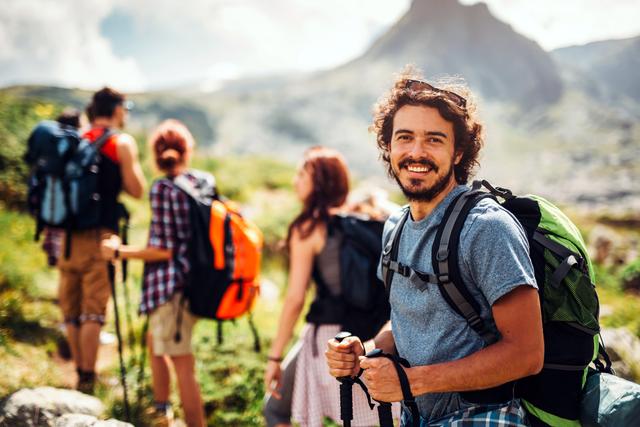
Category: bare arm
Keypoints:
(111, 246)
(384, 340)
(133, 181)
(301, 254)
(519, 353)
(300, 265)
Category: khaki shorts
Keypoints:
(84, 280)
(163, 325)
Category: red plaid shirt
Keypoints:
(169, 230)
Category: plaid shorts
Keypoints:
(511, 414)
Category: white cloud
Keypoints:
(60, 43)
(556, 24)
(262, 37)
(208, 41)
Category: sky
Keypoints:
(138, 45)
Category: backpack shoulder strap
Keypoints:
(202, 190)
(390, 262)
(99, 143)
(181, 182)
(445, 259)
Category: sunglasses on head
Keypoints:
(419, 86)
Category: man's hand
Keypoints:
(272, 376)
(381, 379)
(342, 357)
(108, 247)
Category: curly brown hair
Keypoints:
(468, 138)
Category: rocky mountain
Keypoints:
(443, 37)
(609, 67)
(564, 125)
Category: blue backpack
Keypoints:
(63, 185)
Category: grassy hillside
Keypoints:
(231, 373)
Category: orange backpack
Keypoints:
(224, 254)
(241, 260)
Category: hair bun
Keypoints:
(168, 159)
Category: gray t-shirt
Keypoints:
(494, 259)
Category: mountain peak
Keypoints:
(444, 37)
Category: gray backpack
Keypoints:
(609, 401)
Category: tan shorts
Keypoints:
(84, 280)
(163, 325)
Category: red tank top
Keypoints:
(110, 148)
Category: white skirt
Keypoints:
(316, 394)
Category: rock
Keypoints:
(75, 420)
(632, 284)
(43, 405)
(606, 310)
(80, 420)
(623, 346)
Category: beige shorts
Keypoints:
(84, 280)
(163, 325)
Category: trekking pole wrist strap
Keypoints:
(407, 396)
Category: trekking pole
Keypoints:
(123, 371)
(384, 408)
(124, 232)
(346, 386)
(142, 360)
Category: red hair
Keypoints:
(330, 187)
(169, 143)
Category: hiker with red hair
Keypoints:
(165, 274)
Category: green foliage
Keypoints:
(606, 278)
(20, 259)
(624, 310)
(239, 177)
(231, 381)
(631, 271)
(17, 118)
(21, 264)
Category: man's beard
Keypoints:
(425, 194)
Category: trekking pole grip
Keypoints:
(384, 408)
(346, 385)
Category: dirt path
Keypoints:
(107, 358)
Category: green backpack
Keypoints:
(568, 300)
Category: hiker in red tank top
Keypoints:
(84, 281)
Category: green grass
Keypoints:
(230, 374)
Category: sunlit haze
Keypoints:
(144, 44)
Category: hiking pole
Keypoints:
(142, 360)
(346, 385)
(124, 232)
(384, 408)
(123, 372)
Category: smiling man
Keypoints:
(430, 140)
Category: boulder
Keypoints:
(43, 405)
(81, 420)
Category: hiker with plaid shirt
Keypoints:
(165, 275)
(429, 140)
